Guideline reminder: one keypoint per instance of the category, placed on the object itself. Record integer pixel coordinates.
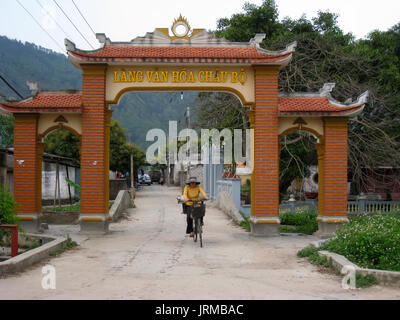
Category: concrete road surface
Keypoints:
(148, 256)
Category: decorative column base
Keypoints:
(327, 226)
(94, 223)
(30, 222)
(265, 226)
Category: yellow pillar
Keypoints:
(40, 150)
(320, 151)
(251, 115)
(107, 161)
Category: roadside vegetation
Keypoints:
(312, 255)
(68, 245)
(8, 214)
(302, 221)
(369, 241)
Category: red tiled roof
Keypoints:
(48, 102)
(315, 105)
(193, 54)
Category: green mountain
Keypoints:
(138, 112)
(20, 62)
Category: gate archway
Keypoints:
(196, 61)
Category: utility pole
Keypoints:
(132, 171)
(188, 145)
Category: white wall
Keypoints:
(49, 181)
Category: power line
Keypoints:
(83, 17)
(52, 18)
(73, 24)
(10, 86)
(37, 22)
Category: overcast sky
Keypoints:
(124, 20)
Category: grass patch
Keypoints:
(312, 255)
(369, 241)
(68, 245)
(245, 224)
(365, 281)
(76, 207)
(302, 221)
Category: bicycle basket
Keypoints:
(197, 210)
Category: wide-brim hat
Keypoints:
(192, 179)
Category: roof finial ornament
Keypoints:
(180, 28)
(363, 98)
(326, 89)
(69, 45)
(258, 38)
(33, 86)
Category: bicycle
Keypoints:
(197, 211)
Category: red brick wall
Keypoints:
(93, 191)
(335, 166)
(266, 155)
(26, 174)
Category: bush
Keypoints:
(305, 221)
(369, 241)
(8, 214)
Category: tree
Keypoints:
(120, 150)
(326, 54)
(6, 131)
(63, 143)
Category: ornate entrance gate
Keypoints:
(190, 60)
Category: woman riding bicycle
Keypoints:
(192, 192)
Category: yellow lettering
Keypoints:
(164, 76)
(156, 77)
(242, 76)
(234, 77)
(209, 76)
(201, 76)
(224, 76)
(149, 75)
(183, 76)
(123, 77)
(132, 76)
(191, 77)
(139, 76)
(175, 76)
(116, 79)
(217, 79)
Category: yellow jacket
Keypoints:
(193, 193)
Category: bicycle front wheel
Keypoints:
(196, 223)
(200, 234)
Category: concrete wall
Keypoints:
(49, 181)
(116, 185)
(122, 202)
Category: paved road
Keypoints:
(148, 256)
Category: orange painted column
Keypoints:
(265, 221)
(251, 115)
(94, 213)
(334, 211)
(27, 170)
(320, 151)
